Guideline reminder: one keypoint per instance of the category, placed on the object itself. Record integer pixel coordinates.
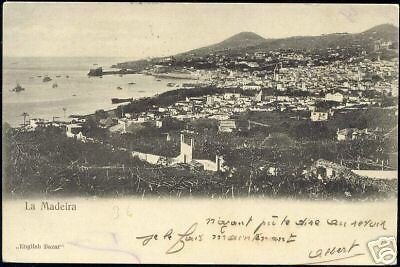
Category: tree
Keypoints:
(64, 109)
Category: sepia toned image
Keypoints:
(185, 133)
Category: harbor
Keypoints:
(72, 89)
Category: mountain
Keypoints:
(384, 31)
(250, 42)
(239, 41)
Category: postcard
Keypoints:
(188, 133)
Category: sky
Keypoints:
(138, 30)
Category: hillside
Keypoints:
(250, 42)
(366, 39)
(239, 41)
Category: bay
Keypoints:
(75, 91)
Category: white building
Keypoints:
(75, 131)
(231, 95)
(319, 116)
(336, 97)
(33, 123)
(251, 86)
(185, 156)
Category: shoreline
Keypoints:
(147, 87)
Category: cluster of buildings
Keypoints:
(185, 156)
(225, 106)
(353, 82)
(285, 81)
(327, 171)
(291, 69)
(357, 134)
(73, 127)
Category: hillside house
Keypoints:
(251, 86)
(336, 97)
(34, 123)
(356, 134)
(319, 116)
(75, 131)
(231, 125)
(327, 170)
(231, 96)
(185, 156)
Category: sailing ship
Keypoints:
(46, 79)
(18, 88)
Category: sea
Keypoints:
(75, 93)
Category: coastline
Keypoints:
(79, 94)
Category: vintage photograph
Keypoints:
(216, 133)
(172, 100)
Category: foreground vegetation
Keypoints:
(45, 162)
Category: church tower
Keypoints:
(186, 155)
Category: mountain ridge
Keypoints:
(251, 42)
(385, 31)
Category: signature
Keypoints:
(338, 252)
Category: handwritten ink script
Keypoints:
(255, 230)
(276, 230)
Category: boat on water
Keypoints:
(67, 76)
(119, 88)
(132, 83)
(55, 85)
(18, 88)
(171, 84)
(121, 100)
(39, 76)
(47, 79)
(158, 80)
(58, 76)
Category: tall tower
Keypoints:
(360, 74)
(186, 155)
(276, 73)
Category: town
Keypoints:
(311, 122)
